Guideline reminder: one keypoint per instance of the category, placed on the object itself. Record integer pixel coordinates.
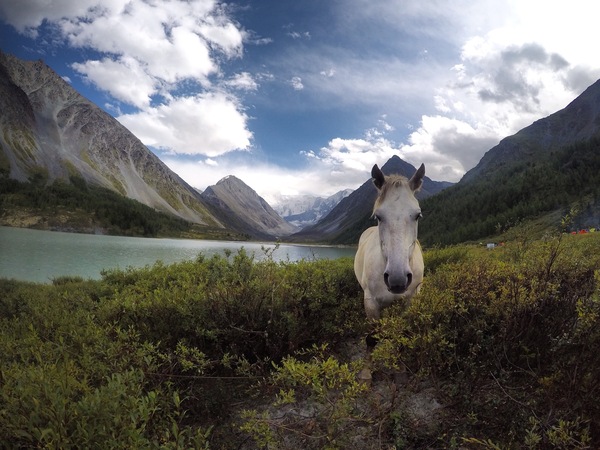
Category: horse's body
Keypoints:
(389, 261)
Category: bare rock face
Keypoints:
(47, 127)
(244, 210)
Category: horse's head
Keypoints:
(397, 212)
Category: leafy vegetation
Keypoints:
(155, 358)
(88, 207)
(516, 192)
(510, 339)
(229, 352)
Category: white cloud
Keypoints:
(268, 180)
(27, 15)
(124, 78)
(243, 81)
(208, 124)
(223, 34)
(165, 38)
(342, 164)
(298, 35)
(152, 52)
(296, 83)
(448, 147)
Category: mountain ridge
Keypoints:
(578, 121)
(50, 130)
(51, 133)
(549, 168)
(352, 215)
(237, 204)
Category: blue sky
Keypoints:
(303, 97)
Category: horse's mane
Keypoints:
(391, 181)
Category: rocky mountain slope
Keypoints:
(236, 204)
(577, 122)
(49, 130)
(345, 222)
(304, 210)
(540, 172)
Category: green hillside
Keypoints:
(515, 192)
(77, 206)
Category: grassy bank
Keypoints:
(228, 352)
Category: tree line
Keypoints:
(489, 205)
(107, 209)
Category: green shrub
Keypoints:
(169, 356)
(508, 339)
(317, 405)
(153, 358)
(255, 310)
(68, 380)
(435, 258)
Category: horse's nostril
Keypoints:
(408, 278)
(386, 277)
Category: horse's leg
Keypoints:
(373, 312)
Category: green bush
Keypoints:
(169, 356)
(69, 380)
(153, 358)
(437, 257)
(320, 403)
(257, 311)
(511, 341)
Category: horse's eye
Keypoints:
(377, 218)
(418, 216)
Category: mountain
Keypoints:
(49, 131)
(243, 210)
(345, 222)
(304, 210)
(542, 172)
(577, 122)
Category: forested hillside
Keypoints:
(486, 206)
(79, 207)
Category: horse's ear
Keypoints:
(378, 177)
(416, 181)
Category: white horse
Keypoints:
(389, 262)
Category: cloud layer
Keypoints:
(437, 82)
(161, 60)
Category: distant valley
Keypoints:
(304, 210)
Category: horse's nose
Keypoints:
(397, 285)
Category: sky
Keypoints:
(303, 97)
